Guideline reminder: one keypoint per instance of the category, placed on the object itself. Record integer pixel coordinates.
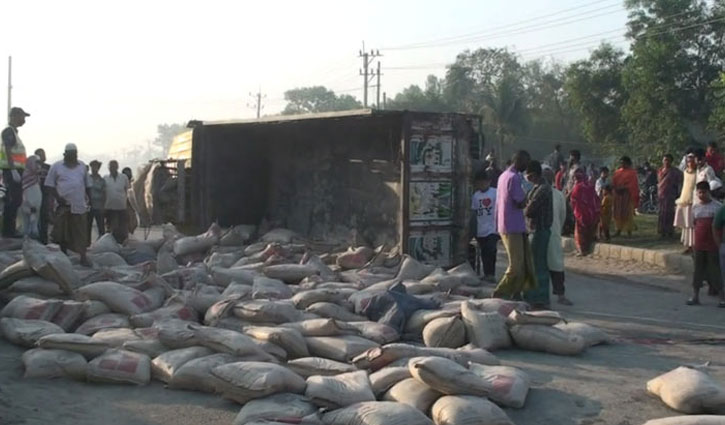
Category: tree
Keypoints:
(165, 134)
(413, 98)
(307, 100)
(594, 88)
(717, 119)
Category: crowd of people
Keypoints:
(530, 205)
(64, 197)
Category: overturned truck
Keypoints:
(394, 178)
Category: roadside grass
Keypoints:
(645, 236)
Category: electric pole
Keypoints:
(10, 83)
(368, 58)
(385, 100)
(257, 99)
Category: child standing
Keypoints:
(484, 206)
(707, 262)
(32, 198)
(606, 213)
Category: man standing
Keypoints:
(555, 159)
(669, 182)
(714, 158)
(510, 203)
(539, 212)
(98, 199)
(117, 185)
(12, 162)
(45, 206)
(69, 184)
(575, 158)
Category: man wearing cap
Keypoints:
(12, 162)
(98, 199)
(69, 184)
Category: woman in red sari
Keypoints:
(626, 196)
(586, 208)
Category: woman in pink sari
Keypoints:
(586, 208)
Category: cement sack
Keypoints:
(334, 392)
(196, 374)
(26, 333)
(69, 315)
(255, 248)
(378, 332)
(273, 352)
(448, 377)
(119, 298)
(323, 270)
(318, 327)
(376, 413)
(442, 281)
(497, 305)
(354, 258)
(52, 265)
(175, 333)
(445, 332)
(36, 285)
(485, 330)
(282, 236)
(81, 344)
(107, 260)
(414, 394)
(15, 272)
(242, 290)
(689, 390)
(24, 307)
(478, 355)
(689, 420)
(223, 260)
(92, 309)
(40, 363)
(148, 343)
(311, 366)
(548, 318)
(120, 367)
(267, 311)
(384, 379)
(305, 299)
(238, 235)
(509, 386)
(245, 381)
(290, 273)
(285, 407)
(223, 277)
(290, 340)
(104, 321)
(413, 287)
(547, 339)
(592, 335)
(412, 269)
(165, 366)
(340, 348)
(265, 288)
(334, 311)
(106, 243)
(202, 297)
(116, 337)
(220, 310)
(200, 243)
(468, 410)
(227, 341)
(380, 357)
(173, 311)
(165, 260)
(418, 320)
(466, 274)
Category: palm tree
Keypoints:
(504, 111)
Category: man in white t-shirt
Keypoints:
(116, 213)
(484, 207)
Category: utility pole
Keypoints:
(385, 100)
(10, 83)
(377, 100)
(257, 102)
(367, 58)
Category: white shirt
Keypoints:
(484, 204)
(71, 184)
(116, 189)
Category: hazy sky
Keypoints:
(103, 74)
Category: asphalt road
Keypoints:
(642, 308)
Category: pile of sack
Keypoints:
(363, 336)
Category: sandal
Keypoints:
(693, 301)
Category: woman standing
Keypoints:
(586, 207)
(683, 212)
(626, 196)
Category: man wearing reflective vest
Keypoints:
(12, 162)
